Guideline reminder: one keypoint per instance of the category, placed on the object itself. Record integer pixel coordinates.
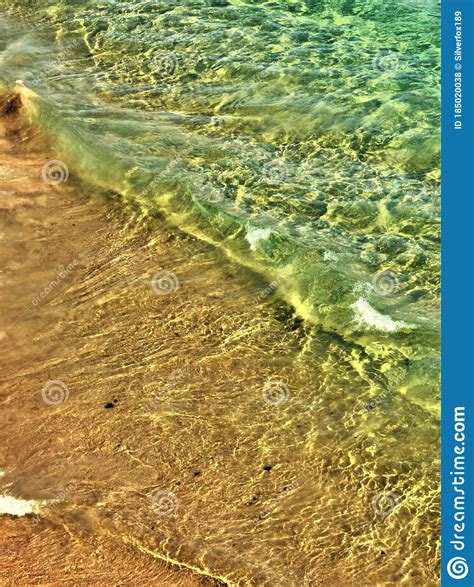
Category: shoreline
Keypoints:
(47, 555)
(36, 549)
(194, 415)
(73, 241)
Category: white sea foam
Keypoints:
(330, 256)
(18, 507)
(256, 234)
(366, 316)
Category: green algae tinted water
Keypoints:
(301, 137)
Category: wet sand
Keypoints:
(46, 233)
(79, 308)
(47, 554)
(176, 420)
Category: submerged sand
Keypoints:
(181, 425)
(46, 232)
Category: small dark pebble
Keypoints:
(109, 405)
(197, 473)
(267, 468)
(416, 294)
(296, 323)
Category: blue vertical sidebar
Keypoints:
(457, 255)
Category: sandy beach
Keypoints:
(220, 292)
(147, 388)
(45, 233)
(99, 357)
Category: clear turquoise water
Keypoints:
(301, 137)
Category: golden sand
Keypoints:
(168, 413)
(45, 230)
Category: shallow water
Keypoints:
(236, 442)
(301, 139)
